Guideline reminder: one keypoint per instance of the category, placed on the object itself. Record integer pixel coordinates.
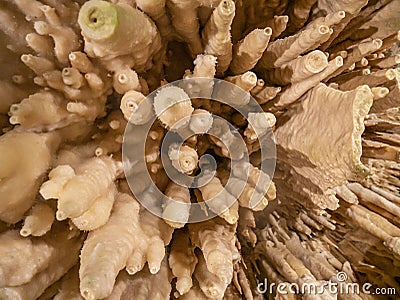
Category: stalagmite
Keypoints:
(105, 27)
(184, 19)
(296, 90)
(211, 285)
(372, 79)
(39, 221)
(98, 214)
(173, 107)
(182, 261)
(284, 50)
(216, 241)
(220, 201)
(176, 215)
(248, 51)
(43, 110)
(54, 256)
(136, 108)
(183, 158)
(30, 153)
(298, 69)
(349, 165)
(101, 259)
(278, 25)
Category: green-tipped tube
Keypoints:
(112, 30)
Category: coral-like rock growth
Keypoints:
(74, 73)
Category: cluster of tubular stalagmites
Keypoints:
(74, 73)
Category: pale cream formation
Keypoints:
(157, 11)
(385, 62)
(47, 22)
(107, 249)
(259, 124)
(266, 94)
(221, 202)
(298, 89)
(211, 285)
(216, 34)
(194, 293)
(28, 154)
(138, 241)
(125, 79)
(104, 26)
(248, 51)
(184, 158)
(176, 209)
(236, 95)
(137, 109)
(200, 121)
(47, 259)
(246, 195)
(182, 261)
(282, 51)
(247, 225)
(74, 72)
(278, 25)
(98, 214)
(39, 220)
(351, 9)
(204, 67)
(386, 103)
(217, 241)
(155, 234)
(173, 107)
(377, 226)
(42, 111)
(245, 81)
(357, 53)
(34, 258)
(109, 141)
(290, 259)
(186, 24)
(298, 69)
(255, 177)
(241, 286)
(152, 151)
(372, 80)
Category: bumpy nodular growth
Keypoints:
(137, 145)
